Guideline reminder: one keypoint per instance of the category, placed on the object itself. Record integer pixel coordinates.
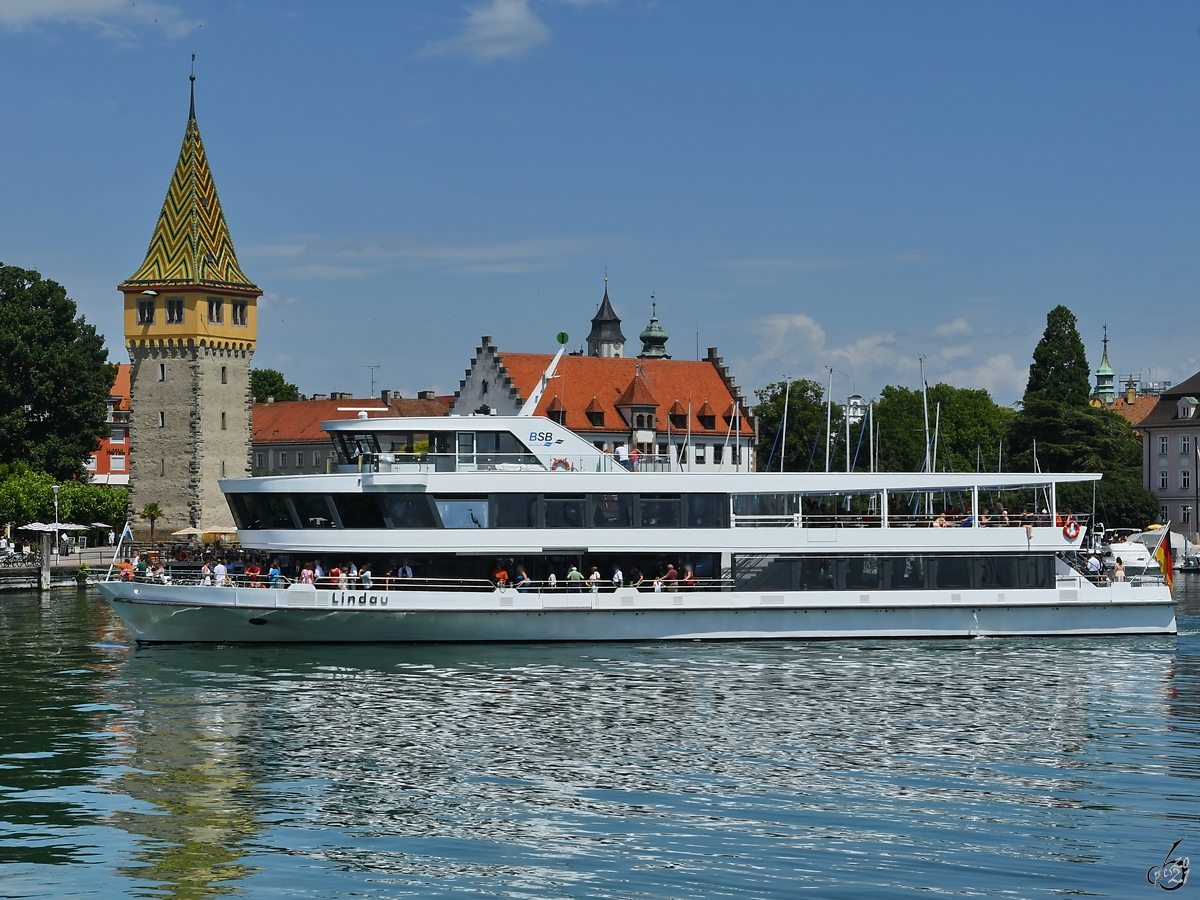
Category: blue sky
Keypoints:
(850, 184)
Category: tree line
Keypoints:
(1053, 429)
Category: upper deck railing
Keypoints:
(425, 463)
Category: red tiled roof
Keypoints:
(594, 406)
(404, 407)
(638, 394)
(1134, 412)
(299, 421)
(579, 378)
(120, 387)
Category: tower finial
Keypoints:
(192, 79)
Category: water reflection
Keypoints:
(681, 770)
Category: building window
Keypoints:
(718, 454)
(708, 423)
(597, 419)
(223, 375)
(258, 460)
(162, 466)
(90, 465)
(316, 457)
(145, 312)
(222, 468)
(1163, 481)
(1164, 446)
(485, 387)
(1162, 513)
(222, 421)
(116, 462)
(1185, 514)
(174, 310)
(237, 312)
(662, 449)
(282, 460)
(701, 454)
(1185, 444)
(162, 419)
(162, 371)
(118, 436)
(1185, 479)
(216, 310)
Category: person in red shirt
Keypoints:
(252, 573)
(672, 576)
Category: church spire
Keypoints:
(654, 338)
(1105, 376)
(191, 243)
(605, 338)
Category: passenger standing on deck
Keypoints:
(319, 575)
(335, 577)
(1119, 570)
(594, 579)
(574, 579)
(689, 579)
(273, 573)
(352, 576)
(500, 576)
(671, 577)
(635, 458)
(623, 456)
(364, 576)
(636, 578)
(523, 580)
(405, 570)
(618, 577)
(206, 574)
(307, 576)
(220, 574)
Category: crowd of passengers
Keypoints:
(999, 516)
(245, 569)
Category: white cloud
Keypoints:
(501, 29)
(999, 376)
(960, 327)
(323, 272)
(112, 18)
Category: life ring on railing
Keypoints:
(183, 556)
(563, 464)
(1071, 529)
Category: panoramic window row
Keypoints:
(420, 510)
(896, 573)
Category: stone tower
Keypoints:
(191, 321)
(605, 338)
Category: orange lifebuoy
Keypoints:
(1071, 529)
(182, 556)
(563, 464)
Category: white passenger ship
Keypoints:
(788, 555)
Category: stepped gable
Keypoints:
(191, 243)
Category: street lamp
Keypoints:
(55, 489)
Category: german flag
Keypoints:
(1163, 555)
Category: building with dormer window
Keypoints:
(1171, 453)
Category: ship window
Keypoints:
(463, 512)
(871, 572)
(765, 504)
(612, 510)
(313, 511)
(516, 510)
(358, 511)
(707, 511)
(407, 511)
(660, 510)
(252, 511)
(564, 510)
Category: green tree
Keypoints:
(970, 428)
(55, 377)
(1056, 430)
(26, 495)
(266, 383)
(1059, 373)
(805, 425)
(153, 512)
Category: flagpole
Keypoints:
(117, 550)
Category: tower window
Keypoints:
(237, 312)
(222, 421)
(162, 466)
(162, 419)
(223, 381)
(162, 371)
(145, 312)
(216, 310)
(174, 310)
(222, 468)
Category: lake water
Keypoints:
(985, 768)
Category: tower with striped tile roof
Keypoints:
(191, 321)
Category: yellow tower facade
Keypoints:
(191, 323)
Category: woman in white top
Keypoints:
(1119, 570)
(594, 580)
(206, 574)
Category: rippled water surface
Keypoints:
(986, 768)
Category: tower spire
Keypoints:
(192, 79)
